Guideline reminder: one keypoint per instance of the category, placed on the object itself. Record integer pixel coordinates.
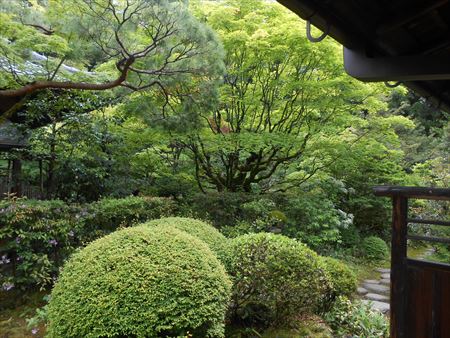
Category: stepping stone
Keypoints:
(371, 281)
(385, 281)
(377, 288)
(386, 275)
(375, 296)
(376, 305)
(383, 270)
(361, 291)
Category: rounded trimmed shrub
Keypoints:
(141, 282)
(374, 248)
(202, 230)
(342, 277)
(275, 279)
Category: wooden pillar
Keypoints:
(16, 177)
(8, 176)
(41, 180)
(398, 266)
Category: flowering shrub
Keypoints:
(141, 282)
(36, 237)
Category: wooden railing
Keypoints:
(420, 290)
(27, 190)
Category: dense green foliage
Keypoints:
(374, 248)
(35, 239)
(108, 214)
(275, 278)
(356, 320)
(218, 110)
(201, 230)
(37, 236)
(140, 282)
(344, 280)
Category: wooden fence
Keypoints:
(420, 290)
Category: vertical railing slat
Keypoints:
(398, 266)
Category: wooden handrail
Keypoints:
(413, 192)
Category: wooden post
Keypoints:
(398, 266)
(16, 177)
(8, 176)
(41, 180)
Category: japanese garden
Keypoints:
(201, 169)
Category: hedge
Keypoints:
(36, 237)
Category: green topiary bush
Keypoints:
(202, 230)
(141, 282)
(343, 278)
(374, 248)
(275, 279)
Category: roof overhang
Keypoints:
(404, 41)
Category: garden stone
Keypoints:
(361, 291)
(382, 289)
(375, 296)
(386, 275)
(383, 270)
(376, 305)
(371, 281)
(386, 281)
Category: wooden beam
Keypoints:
(410, 13)
(413, 192)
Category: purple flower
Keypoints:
(7, 286)
(53, 242)
(34, 331)
(4, 260)
(18, 239)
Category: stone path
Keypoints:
(376, 291)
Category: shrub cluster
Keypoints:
(349, 319)
(374, 248)
(163, 278)
(275, 278)
(141, 282)
(37, 236)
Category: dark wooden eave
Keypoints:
(387, 28)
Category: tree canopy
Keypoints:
(99, 45)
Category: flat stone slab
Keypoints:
(371, 281)
(376, 296)
(385, 281)
(376, 305)
(386, 275)
(376, 288)
(383, 270)
(361, 291)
